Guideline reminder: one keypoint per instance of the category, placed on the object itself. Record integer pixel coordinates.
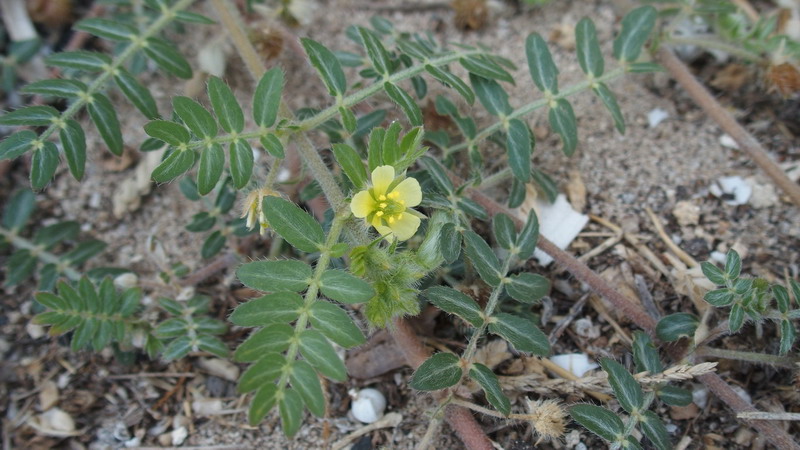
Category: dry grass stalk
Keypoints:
(677, 373)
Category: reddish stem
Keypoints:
(459, 418)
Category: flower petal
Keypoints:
(362, 204)
(405, 227)
(409, 191)
(382, 177)
(384, 231)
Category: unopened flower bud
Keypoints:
(253, 208)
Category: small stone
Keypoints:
(48, 395)
(220, 368)
(764, 195)
(165, 440)
(126, 281)
(56, 421)
(207, 406)
(585, 328)
(94, 200)
(368, 405)
(34, 331)
(179, 435)
(686, 213)
(687, 412)
(727, 141)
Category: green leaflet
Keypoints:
(540, 64)
(280, 307)
(267, 97)
(335, 324)
(491, 387)
(293, 224)
(440, 371)
(226, 107)
(105, 119)
(562, 119)
(589, 55)
(327, 65)
(44, 163)
(519, 145)
(521, 333)
(197, 118)
(320, 353)
(212, 162)
(73, 140)
(483, 258)
(636, 28)
(275, 276)
(241, 162)
(455, 302)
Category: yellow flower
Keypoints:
(387, 204)
(253, 209)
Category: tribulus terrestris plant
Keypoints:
(400, 229)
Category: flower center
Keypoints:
(389, 207)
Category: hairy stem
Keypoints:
(753, 357)
(727, 122)
(491, 304)
(39, 252)
(712, 42)
(465, 425)
(167, 15)
(533, 106)
(313, 289)
(233, 24)
(298, 126)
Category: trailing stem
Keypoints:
(727, 122)
(533, 106)
(39, 251)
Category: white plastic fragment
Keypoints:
(368, 405)
(656, 116)
(577, 363)
(734, 187)
(559, 223)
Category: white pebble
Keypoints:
(368, 405)
(179, 435)
(727, 141)
(700, 397)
